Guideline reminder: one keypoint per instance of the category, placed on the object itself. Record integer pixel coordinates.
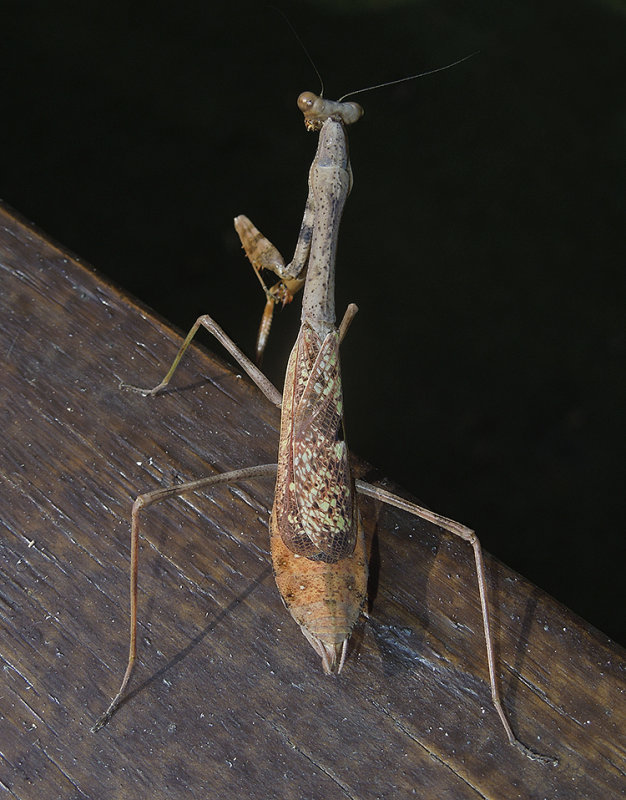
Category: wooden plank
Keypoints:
(227, 696)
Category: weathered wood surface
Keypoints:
(228, 699)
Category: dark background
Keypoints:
(483, 241)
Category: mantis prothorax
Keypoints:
(317, 542)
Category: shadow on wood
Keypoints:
(227, 696)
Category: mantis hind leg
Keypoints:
(469, 536)
(142, 502)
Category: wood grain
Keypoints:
(227, 697)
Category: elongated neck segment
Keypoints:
(330, 181)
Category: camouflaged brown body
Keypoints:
(316, 539)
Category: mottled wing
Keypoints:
(323, 487)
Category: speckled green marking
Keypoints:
(318, 506)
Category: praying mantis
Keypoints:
(317, 542)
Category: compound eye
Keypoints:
(306, 101)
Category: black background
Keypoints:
(483, 241)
